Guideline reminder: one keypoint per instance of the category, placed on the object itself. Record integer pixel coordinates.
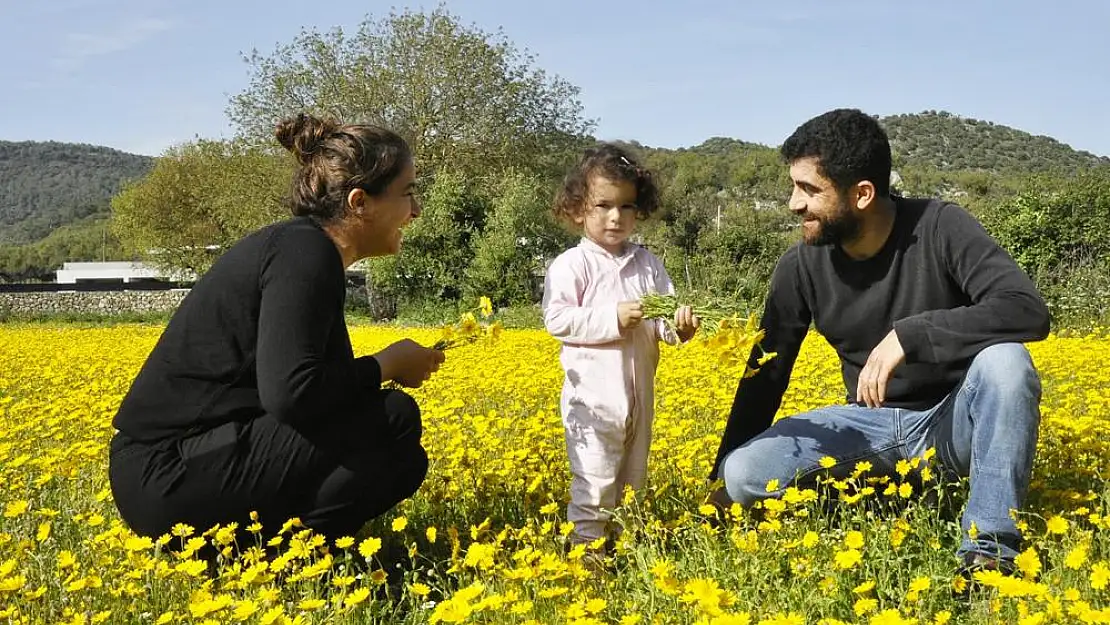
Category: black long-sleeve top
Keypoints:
(940, 281)
(262, 332)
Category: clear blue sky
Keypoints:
(140, 75)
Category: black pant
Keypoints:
(334, 477)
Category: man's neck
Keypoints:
(874, 231)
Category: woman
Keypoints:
(252, 399)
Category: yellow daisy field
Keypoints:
(484, 540)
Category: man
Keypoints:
(927, 315)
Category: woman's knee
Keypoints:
(397, 477)
(402, 415)
(412, 471)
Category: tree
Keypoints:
(519, 235)
(437, 246)
(1055, 223)
(199, 199)
(465, 99)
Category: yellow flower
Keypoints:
(1077, 557)
(138, 543)
(918, 586)
(244, 609)
(66, 560)
(485, 305)
(344, 542)
(889, 617)
(864, 606)
(399, 524)
(16, 508)
(1029, 563)
(369, 546)
(1057, 525)
(1100, 576)
(274, 615)
(854, 540)
(848, 558)
(309, 605)
(356, 597)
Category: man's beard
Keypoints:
(836, 229)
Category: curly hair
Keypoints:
(612, 162)
(850, 146)
(335, 158)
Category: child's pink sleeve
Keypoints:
(565, 317)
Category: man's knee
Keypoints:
(1007, 367)
(746, 473)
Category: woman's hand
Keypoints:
(408, 363)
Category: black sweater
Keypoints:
(940, 281)
(262, 332)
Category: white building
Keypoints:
(113, 271)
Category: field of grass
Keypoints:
(483, 541)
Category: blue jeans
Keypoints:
(985, 430)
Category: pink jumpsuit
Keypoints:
(608, 397)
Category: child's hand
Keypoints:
(686, 323)
(629, 314)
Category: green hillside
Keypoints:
(947, 142)
(44, 185)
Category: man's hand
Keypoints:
(686, 323)
(876, 372)
(629, 314)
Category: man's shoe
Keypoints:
(978, 562)
(975, 562)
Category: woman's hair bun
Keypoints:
(304, 134)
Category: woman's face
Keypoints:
(383, 216)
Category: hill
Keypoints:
(48, 184)
(947, 142)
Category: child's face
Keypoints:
(609, 216)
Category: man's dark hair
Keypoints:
(850, 146)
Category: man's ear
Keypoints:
(864, 194)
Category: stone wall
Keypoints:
(106, 303)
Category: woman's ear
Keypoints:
(356, 201)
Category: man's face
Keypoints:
(827, 218)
